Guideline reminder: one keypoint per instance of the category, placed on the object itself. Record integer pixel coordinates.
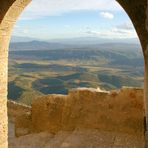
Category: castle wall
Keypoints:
(118, 111)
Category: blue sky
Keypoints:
(53, 19)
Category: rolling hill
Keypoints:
(37, 68)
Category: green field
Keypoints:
(37, 73)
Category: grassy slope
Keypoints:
(31, 75)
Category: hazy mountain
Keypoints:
(113, 53)
(78, 40)
(15, 39)
(95, 40)
(42, 45)
(35, 45)
(26, 43)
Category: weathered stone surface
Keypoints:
(49, 109)
(3, 123)
(77, 139)
(20, 114)
(9, 11)
(25, 123)
(118, 111)
(16, 109)
(83, 118)
(138, 12)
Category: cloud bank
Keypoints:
(38, 9)
(125, 30)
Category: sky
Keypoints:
(55, 19)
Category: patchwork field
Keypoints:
(34, 73)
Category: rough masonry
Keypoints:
(119, 111)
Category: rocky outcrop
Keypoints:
(116, 111)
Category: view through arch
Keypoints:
(54, 50)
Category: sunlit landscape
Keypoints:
(75, 74)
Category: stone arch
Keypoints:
(138, 13)
(9, 12)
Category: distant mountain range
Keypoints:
(78, 40)
(35, 45)
(113, 53)
(47, 67)
(22, 44)
(95, 40)
(16, 39)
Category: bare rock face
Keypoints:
(117, 111)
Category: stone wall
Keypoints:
(118, 111)
(16, 109)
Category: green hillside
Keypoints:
(33, 73)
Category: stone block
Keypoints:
(23, 124)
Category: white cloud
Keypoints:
(107, 15)
(119, 31)
(19, 31)
(38, 8)
(126, 26)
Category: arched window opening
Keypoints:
(62, 46)
(57, 46)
